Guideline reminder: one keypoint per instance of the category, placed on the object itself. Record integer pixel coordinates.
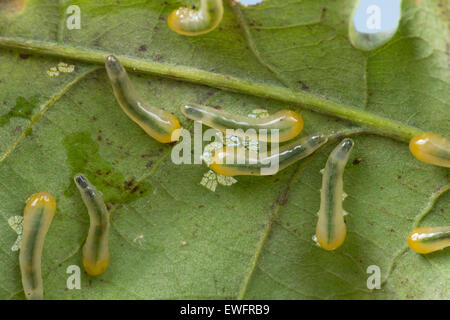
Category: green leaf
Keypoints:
(171, 238)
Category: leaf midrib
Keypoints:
(379, 125)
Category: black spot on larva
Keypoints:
(142, 48)
(303, 85)
(25, 56)
(81, 181)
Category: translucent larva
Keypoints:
(96, 249)
(431, 148)
(331, 229)
(229, 161)
(158, 123)
(191, 22)
(37, 215)
(288, 123)
(374, 23)
(429, 239)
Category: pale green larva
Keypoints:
(229, 161)
(37, 215)
(96, 249)
(287, 123)
(157, 123)
(192, 22)
(429, 239)
(331, 229)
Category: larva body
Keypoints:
(429, 239)
(192, 22)
(229, 161)
(38, 215)
(96, 249)
(287, 123)
(157, 123)
(431, 148)
(331, 229)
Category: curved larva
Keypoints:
(159, 124)
(191, 22)
(431, 148)
(287, 123)
(244, 162)
(371, 40)
(96, 249)
(331, 229)
(37, 215)
(429, 239)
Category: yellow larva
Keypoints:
(431, 148)
(96, 249)
(191, 22)
(429, 239)
(157, 123)
(287, 123)
(37, 215)
(331, 229)
(229, 161)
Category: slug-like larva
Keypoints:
(158, 123)
(252, 164)
(431, 148)
(331, 229)
(37, 215)
(288, 123)
(191, 22)
(96, 249)
(429, 239)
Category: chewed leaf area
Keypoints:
(172, 238)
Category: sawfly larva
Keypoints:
(37, 215)
(331, 229)
(287, 123)
(429, 239)
(234, 161)
(96, 249)
(157, 123)
(192, 22)
(431, 148)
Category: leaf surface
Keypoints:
(171, 238)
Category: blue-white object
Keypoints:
(374, 22)
(250, 2)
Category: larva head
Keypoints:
(317, 140)
(113, 67)
(81, 181)
(84, 185)
(40, 200)
(343, 150)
